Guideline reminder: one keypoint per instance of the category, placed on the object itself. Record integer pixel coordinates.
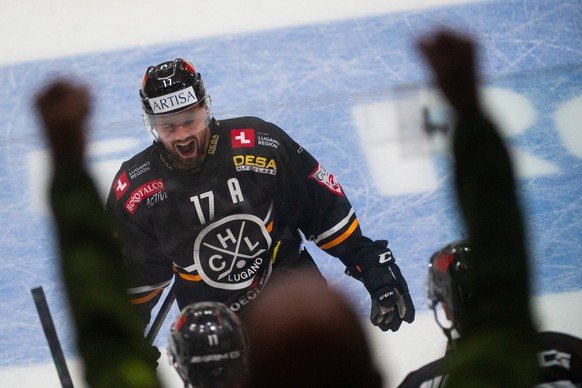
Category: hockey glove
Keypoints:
(391, 301)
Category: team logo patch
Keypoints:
(241, 138)
(143, 192)
(326, 178)
(121, 185)
(229, 253)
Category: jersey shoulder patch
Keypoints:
(326, 179)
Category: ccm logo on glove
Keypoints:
(386, 257)
(386, 295)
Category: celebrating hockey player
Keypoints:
(219, 206)
(208, 346)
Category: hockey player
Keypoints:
(219, 205)
(559, 355)
(208, 347)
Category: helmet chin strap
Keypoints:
(450, 332)
(446, 330)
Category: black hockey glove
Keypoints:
(391, 301)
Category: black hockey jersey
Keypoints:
(559, 357)
(218, 229)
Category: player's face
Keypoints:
(185, 135)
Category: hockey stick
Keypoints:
(51, 336)
(161, 316)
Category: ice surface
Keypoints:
(329, 84)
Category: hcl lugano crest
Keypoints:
(229, 253)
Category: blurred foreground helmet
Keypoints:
(446, 270)
(170, 87)
(208, 346)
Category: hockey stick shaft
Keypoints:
(51, 336)
(161, 316)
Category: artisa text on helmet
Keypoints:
(173, 101)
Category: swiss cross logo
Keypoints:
(326, 178)
(242, 138)
(121, 185)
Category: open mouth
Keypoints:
(186, 149)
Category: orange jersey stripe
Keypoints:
(341, 238)
(193, 278)
(185, 276)
(146, 298)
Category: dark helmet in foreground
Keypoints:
(208, 346)
(170, 87)
(446, 270)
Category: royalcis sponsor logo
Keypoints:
(172, 101)
(255, 164)
(143, 192)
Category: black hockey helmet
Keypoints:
(446, 270)
(208, 346)
(170, 87)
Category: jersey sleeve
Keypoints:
(314, 201)
(149, 269)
